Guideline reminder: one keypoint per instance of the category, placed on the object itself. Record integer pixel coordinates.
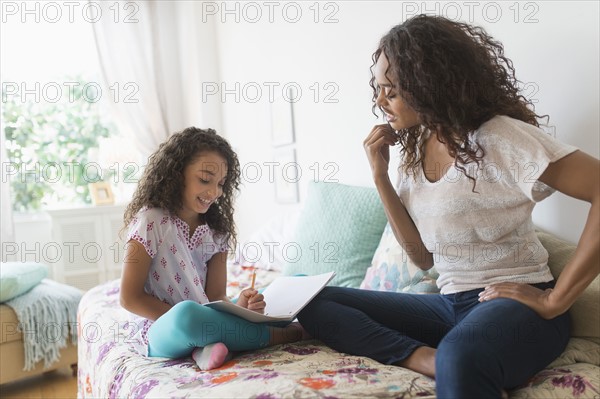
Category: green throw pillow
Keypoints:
(338, 230)
(17, 278)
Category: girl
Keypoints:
(180, 226)
(452, 104)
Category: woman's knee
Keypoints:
(452, 357)
(466, 371)
(317, 307)
(331, 293)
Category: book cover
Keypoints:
(286, 296)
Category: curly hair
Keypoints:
(456, 77)
(162, 182)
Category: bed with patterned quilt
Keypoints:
(343, 229)
(109, 367)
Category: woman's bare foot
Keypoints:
(293, 332)
(422, 360)
(305, 335)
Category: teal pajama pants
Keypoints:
(188, 325)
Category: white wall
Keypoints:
(557, 56)
(554, 47)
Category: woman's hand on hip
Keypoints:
(541, 301)
(377, 146)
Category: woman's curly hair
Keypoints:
(456, 77)
(162, 183)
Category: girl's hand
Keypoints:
(377, 146)
(541, 301)
(252, 300)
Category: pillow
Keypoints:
(17, 278)
(578, 351)
(263, 249)
(391, 270)
(338, 230)
(585, 312)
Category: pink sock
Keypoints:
(211, 356)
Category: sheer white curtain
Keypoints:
(6, 219)
(153, 61)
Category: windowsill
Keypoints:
(84, 206)
(30, 217)
(44, 215)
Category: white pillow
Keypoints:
(265, 248)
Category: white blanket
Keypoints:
(47, 317)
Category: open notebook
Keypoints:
(286, 296)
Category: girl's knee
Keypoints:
(183, 315)
(184, 307)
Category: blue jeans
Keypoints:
(188, 325)
(482, 348)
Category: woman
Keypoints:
(474, 163)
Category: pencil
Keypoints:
(253, 279)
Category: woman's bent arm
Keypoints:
(377, 146)
(576, 175)
(403, 226)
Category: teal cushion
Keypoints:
(17, 278)
(338, 230)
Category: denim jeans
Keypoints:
(482, 347)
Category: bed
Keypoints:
(110, 367)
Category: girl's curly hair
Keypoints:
(162, 182)
(456, 77)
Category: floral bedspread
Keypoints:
(109, 367)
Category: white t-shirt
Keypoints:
(484, 237)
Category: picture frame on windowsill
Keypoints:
(101, 193)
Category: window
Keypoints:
(58, 131)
